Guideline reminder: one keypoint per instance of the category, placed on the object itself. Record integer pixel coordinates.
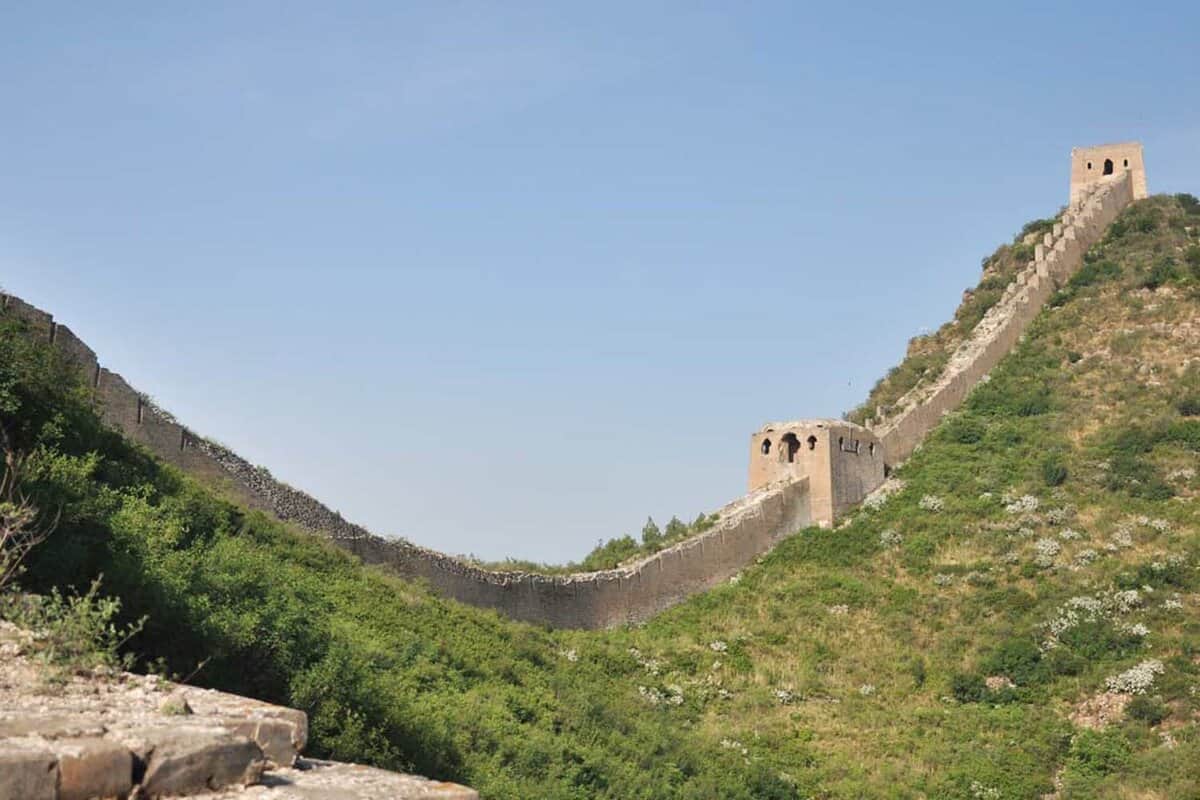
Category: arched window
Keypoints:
(812, 443)
(1108, 166)
(1127, 162)
(791, 445)
(1089, 165)
(765, 447)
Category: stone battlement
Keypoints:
(801, 473)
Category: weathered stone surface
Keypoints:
(51, 726)
(187, 760)
(281, 740)
(28, 771)
(93, 768)
(324, 780)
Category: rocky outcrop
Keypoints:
(119, 735)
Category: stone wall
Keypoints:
(1056, 258)
(745, 529)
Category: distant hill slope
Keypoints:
(954, 640)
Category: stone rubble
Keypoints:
(119, 735)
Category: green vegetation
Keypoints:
(1043, 547)
(614, 552)
(928, 355)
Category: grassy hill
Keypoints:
(1045, 544)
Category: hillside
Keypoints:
(953, 640)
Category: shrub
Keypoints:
(1192, 258)
(964, 430)
(1054, 471)
(1150, 710)
(1189, 203)
(1162, 272)
(1189, 406)
(651, 535)
(968, 687)
(1018, 659)
(1094, 754)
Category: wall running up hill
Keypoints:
(745, 529)
(1058, 256)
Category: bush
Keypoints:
(964, 430)
(1189, 406)
(1189, 203)
(1017, 659)
(1150, 710)
(1192, 258)
(1095, 754)
(1162, 272)
(1054, 471)
(968, 687)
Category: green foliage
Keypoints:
(651, 535)
(1054, 470)
(968, 687)
(1018, 659)
(1147, 709)
(1094, 754)
(1188, 203)
(1162, 272)
(1192, 259)
(75, 633)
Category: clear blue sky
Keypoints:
(507, 278)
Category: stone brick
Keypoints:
(91, 768)
(28, 771)
(185, 760)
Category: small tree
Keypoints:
(651, 535)
(675, 529)
(19, 531)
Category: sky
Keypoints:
(506, 279)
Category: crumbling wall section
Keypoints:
(1056, 258)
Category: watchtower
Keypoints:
(1092, 164)
(842, 461)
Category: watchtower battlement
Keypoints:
(1090, 165)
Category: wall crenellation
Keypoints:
(801, 472)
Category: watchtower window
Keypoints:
(1126, 162)
(765, 447)
(1089, 165)
(791, 447)
(1108, 166)
(812, 443)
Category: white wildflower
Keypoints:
(890, 538)
(1068, 534)
(570, 655)
(942, 579)
(1173, 603)
(1160, 525)
(733, 744)
(981, 791)
(718, 646)
(1046, 549)
(867, 689)
(1085, 557)
(1137, 679)
(839, 610)
(931, 503)
(784, 696)
(1025, 504)
(1138, 629)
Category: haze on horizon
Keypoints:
(508, 280)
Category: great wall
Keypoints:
(801, 473)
